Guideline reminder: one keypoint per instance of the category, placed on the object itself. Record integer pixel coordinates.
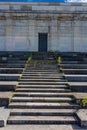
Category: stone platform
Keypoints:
(9, 77)
(8, 85)
(76, 78)
(78, 86)
(5, 98)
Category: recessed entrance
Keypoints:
(42, 38)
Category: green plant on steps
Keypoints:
(83, 103)
(29, 60)
(35, 63)
(59, 60)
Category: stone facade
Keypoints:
(64, 23)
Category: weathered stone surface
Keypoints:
(60, 36)
(78, 86)
(74, 66)
(45, 112)
(80, 96)
(4, 114)
(42, 101)
(5, 98)
(8, 85)
(42, 120)
(38, 127)
(11, 70)
(82, 115)
(9, 77)
(75, 71)
(76, 78)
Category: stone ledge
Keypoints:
(82, 116)
(5, 98)
(8, 85)
(80, 96)
(4, 116)
(78, 86)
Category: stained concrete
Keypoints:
(4, 114)
(65, 24)
(76, 77)
(5, 98)
(8, 85)
(82, 115)
(78, 86)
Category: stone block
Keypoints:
(4, 114)
(9, 77)
(76, 78)
(78, 86)
(8, 85)
(82, 116)
(5, 98)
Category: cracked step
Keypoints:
(41, 99)
(42, 120)
(42, 112)
(42, 90)
(42, 83)
(42, 105)
(42, 86)
(42, 94)
(42, 76)
(42, 80)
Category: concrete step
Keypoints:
(75, 71)
(12, 65)
(42, 73)
(41, 70)
(41, 99)
(42, 112)
(42, 80)
(42, 77)
(78, 86)
(43, 86)
(11, 70)
(42, 94)
(41, 120)
(42, 83)
(76, 78)
(9, 77)
(8, 85)
(43, 105)
(74, 66)
(42, 90)
(4, 114)
(5, 98)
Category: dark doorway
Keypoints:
(42, 38)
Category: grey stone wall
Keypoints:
(66, 25)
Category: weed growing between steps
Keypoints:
(59, 60)
(83, 103)
(29, 60)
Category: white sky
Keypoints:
(83, 1)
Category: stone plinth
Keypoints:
(82, 116)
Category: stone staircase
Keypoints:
(42, 96)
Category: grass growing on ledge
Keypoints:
(29, 60)
(35, 63)
(59, 60)
(83, 102)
